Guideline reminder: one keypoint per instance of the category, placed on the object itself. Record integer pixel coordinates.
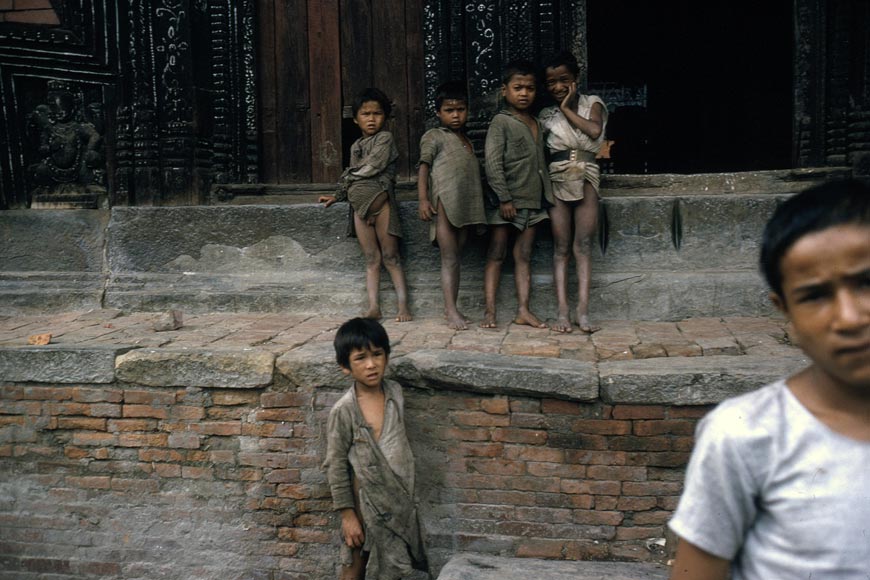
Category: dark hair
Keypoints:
(818, 208)
(559, 59)
(450, 91)
(518, 67)
(359, 334)
(371, 94)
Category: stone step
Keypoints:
(485, 567)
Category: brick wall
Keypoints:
(129, 482)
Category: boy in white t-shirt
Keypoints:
(778, 486)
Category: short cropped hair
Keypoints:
(562, 58)
(450, 91)
(371, 94)
(359, 334)
(517, 67)
(831, 204)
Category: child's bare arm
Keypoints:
(326, 200)
(591, 126)
(425, 209)
(693, 563)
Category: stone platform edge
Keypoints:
(673, 381)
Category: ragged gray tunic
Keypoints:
(372, 170)
(384, 473)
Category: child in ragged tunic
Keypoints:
(574, 133)
(369, 184)
(369, 463)
(449, 189)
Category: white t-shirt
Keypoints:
(778, 493)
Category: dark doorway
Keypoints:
(716, 77)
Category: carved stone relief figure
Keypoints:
(69, 144)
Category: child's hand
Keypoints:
(508, 210)
(351, 529)
(569, 98)
(326, 200)
(426, 210)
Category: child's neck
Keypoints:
(843, 410)
(363, 391)
(524, 113)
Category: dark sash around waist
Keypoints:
(572, 155)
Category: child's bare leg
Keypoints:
(560, 221)
(368, 241)
(393, 262)
(376, 206)
(523, 277)
(357, 569)
(450, 245)
(585, 222)
(495, 255)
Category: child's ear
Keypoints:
(778, 303)
(345, 370)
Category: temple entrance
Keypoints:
(698, 86)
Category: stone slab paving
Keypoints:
(484, 567)
(279, 333)
(688, 362)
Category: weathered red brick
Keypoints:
(280, 414)
(193, 472)
(601, 426)
(598, 517)
(83, 423)
(26, 407)
(268, 400)
(632, 504)
(664, 427)
(473, 449)
(585, 487)
(479, 419)
(272, 430)
(506, 497)
(167, 469)
(651, 518)
(638, 533)
(294, 491)
(224, 428)
(186, 412)
(86, 395)
(556, 470)
(689, 412)
(104, 410)
(94, 438)
(143, 439)
(118, 425)
(605, 502)
(305, 536)
(586, 550)
(528, 436)
(586, 457)
(283, 476)
(496, 405)
(137, 397)
(138, 486)
(525, 406)
(551, 549)
(651, 488)
(638, 412)
(491, 466)
(534, 453)
(184, 440)
(160, 455)
(616, 472)
(89, 481)
(144, 411)
(559, 407)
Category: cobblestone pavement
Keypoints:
(278, 333)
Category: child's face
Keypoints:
(826, 296)
(519, 92)
(370, 117)
(367, 366)
(453, 114)
(559, 81)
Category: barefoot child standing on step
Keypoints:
(369, 183)
(450, 192)
(517, 173)
(369, 464)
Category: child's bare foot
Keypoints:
(374, 313)
(585, 325)
(562, 324)
(489, 320)
(456, 321)
(528, 319)
(404, 315)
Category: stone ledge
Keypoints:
(313, 365)
(484, 567)
(499, 374)
(228, 369)
(59, 364)
(690, 381)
